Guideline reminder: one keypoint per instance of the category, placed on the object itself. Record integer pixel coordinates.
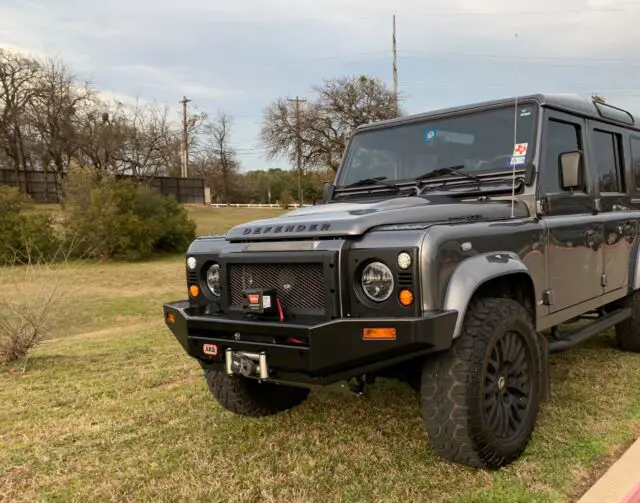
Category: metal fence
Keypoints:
(255, 205)
(46, 187)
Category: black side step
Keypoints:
(579, 336)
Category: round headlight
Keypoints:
(377, 281)
(191, 263)
(213, 279)
(404, 260)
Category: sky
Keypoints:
(238, 56)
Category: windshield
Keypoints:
(473, 142)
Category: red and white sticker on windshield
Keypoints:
(520, 149)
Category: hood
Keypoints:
(354, 219)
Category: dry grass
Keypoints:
(111, 409)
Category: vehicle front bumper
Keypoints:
(331, 351)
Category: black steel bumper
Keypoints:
(322, 354)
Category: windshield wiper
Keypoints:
(455, 170)
(371, 181)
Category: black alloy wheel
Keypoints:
(480, 398)
(507, 386)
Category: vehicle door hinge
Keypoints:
(603, 279)
(548, 298)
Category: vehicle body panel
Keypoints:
(573, 251)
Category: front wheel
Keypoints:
(628, 331)
(249, 397)
(480, 399)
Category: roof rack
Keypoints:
(611, 112)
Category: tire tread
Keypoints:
(450, 380)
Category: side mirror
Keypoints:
(327, 192)
(571, 169)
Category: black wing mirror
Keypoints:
(327, 192)
(571, 169)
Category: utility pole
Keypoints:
(299, 145)
(395, 67)
(185, 139)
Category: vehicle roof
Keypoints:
(571, 103)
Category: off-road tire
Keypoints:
(250, 397)
(457, 414)
(628, 331)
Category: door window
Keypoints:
(560, 137)
(607, 157)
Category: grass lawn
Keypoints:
(111, 409)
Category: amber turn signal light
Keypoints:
(373, 334)
(406, 297)
(171, 318)
(194, 291)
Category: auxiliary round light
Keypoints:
(405, 297)
(377, 281)
(194, 291)
(404, 260)
(213, 279)
(191, 263)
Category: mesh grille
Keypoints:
(299, 286)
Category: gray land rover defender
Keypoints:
(450, 248)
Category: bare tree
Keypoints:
(19, 77)
(54, 114)
(221, 157)
(148, 140)
(341, 105)
(100, 133)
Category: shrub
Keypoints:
(285, 199)
(118, 219)
(29, 298)
(25, 234)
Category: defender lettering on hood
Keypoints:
(279, 229)
(356, 218)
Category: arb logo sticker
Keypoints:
(210, 349)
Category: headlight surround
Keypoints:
(377, 281)
(213, 279)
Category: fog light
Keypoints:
(406, 297)
(404, 260)
(194, 290)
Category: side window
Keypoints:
(560, 137)
(635, 159)
(607, 157)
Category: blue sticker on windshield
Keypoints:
(518, 159)
(430, 135)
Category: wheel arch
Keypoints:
(496, 274)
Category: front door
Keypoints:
(608, 162)
(574, 246)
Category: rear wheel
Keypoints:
(628, 332)
(250, 397)
(480, 399)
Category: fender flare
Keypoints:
(474, 272)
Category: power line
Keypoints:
(511, 57)
(542, 12)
